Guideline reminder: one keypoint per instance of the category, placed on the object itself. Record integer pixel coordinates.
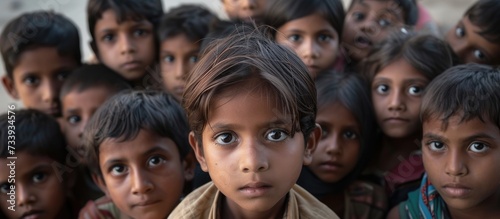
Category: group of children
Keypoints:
(292, 109)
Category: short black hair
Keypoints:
(123, 116)
(36, 133)
(38, 29)
(469, 91)
(484, 14)
(91, 76)
(409, 7)
(426, 53)
(351, 91)
(192, 20)
(282, 11)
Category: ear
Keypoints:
(8, 84)
(93, 46)
(99, 181)
(311, 144)
(198, 151)
(189, 164)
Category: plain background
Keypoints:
(445, 12)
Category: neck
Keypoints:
(486, 209)
(230, 209)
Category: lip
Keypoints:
(456, 190)
(330, 166)
(130, 65)
(313, 68)
(33, 214)
(255, 189)
(396, 120)
(179, 90)
(146, 203)
(53, 110)
(362, 42)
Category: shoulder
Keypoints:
(301, 204)
(198, 204)
(366, 200)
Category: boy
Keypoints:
(123, 35)
(460, 147)
(251, 107)
(245, 10)
(181, 32)
(39, 189)
(476, 38)
(137, 148)
(39, 49)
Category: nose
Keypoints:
(141, 184)
(180, 70)
(369, 27)
(126, 44)
(253, 157)
(455, 165)
(24, 196)
(81, 127)
(49, 91)
(396, 101)
(249, 5)
(310, 50)
(461, 49)
(333, 144)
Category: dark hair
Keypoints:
(469, 91)
(484, 14)
(36, 133)
(220, 29)
(38, 29)
(426, 53)
(282, 11)
(409, 7)
(124, 115)
(350, 90)
(192, 20)
(151, 10)
(91, 76)
(248, 54)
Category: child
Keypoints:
(180, 33)
(124, 35)
(245, 10)
(476, 38)
(251, 108)
(346, 118)
(39, 188)
(137, 147)
(39, 49)
(460, 147)
(85, 90)
(369, 22)
(312, 28)
(399, 70)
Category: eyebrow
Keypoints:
(476, 136)
(434, 136)
(154, 149)
(225, 126)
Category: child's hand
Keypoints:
(90, 210)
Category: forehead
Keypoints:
(95, 94)
(179, 43)
(380, 6)
(311, 23)
(24, 164)
(399, 70)
(109, 19)
(475, 38)
(456, 127)
(43, 61)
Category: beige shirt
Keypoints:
(204, 203)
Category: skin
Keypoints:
(145, 181)
(178, 55)
(242, 148)
(470, 46)
(367, 23)
(127, 47)
(78, 108)
(245, 9)
(462, 162)
(37, 79)
(338, 150)
(39, 192)
(314, 40)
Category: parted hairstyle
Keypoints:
(36, 133)
(39, 29)
(230, 62)
(484, 14)
(192, 20)
(409, 7)
(280, 12)
(91, 76)
(469, 91)
(426, 53)
(124, 115)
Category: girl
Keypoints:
(399, 70)
(347, 122)
(312, 28)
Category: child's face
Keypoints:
(127, 47)
(245, 9)
(314, 40)
(178, 55)
(367, 23)
(248, 151)
(338, 149)
(470, 46)
(462, 162)
(397, 94)
(145, 176)
(37, 79)
(78, 108)
(38, 191)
